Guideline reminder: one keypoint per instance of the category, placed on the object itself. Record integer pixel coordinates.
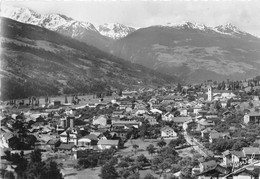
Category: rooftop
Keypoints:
(108, 142)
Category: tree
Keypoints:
(151, 149)
(108, 171)
(141, 161)
(161, 143)
(14, 143)
(135, 146)
(36, 156)
(51, 171)
(84, 162)
(143, 130)
(93, 160)
(30, 140)
(166, 164)
(250, 104)
(238, 145)
(155, 162)
(125, 173)
(188, 161)
(186, 173)
(173, 143)
(220, 145)
(149, 176)
(9, 175)
(123, 164)
(135, 175)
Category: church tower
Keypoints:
(210, 93)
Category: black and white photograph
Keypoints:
(130, 89)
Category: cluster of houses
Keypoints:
(59, 131)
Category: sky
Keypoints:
(142, 13)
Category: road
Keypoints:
(197, 146)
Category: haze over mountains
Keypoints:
(193, 52)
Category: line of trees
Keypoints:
(34, 167)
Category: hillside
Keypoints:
(194, 52)
(39, 62)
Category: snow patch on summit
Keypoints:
(115, 30)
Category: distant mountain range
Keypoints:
(38, 62)
(193, 52)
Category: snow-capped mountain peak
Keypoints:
(115, 30)
(228, 29)
(53, 21)
(21, 14)
(50, 21)
(187, 25)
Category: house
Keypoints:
(252, 117)
(129, 94)
(64, 137)
(216, 135)
(167, 116)
(205, 165)
(119, 113)
(227, 113)
(205, 132)
(88, 140)
(140, 112)
(216, 172)
(125, 104)
(252, 153)
(101, 120)
(154, 111)
(66, 147)
(210, 115)
(224, 94)
(153, 101)
(107, 144)
(168, 99)
(211, 170)
(53, 143)
(168, 132)
(234, 158)
(204, 123)
(156, 106)
(238, 158)
(196, 110)
(125, 124)
(181, 120)
(152, 120)
(183, 112)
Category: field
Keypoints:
(90, 173)
(70, 173)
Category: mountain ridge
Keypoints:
(57, 21)
(40, 62)
(193, 54)
(189, 50)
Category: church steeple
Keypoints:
(210, 93)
